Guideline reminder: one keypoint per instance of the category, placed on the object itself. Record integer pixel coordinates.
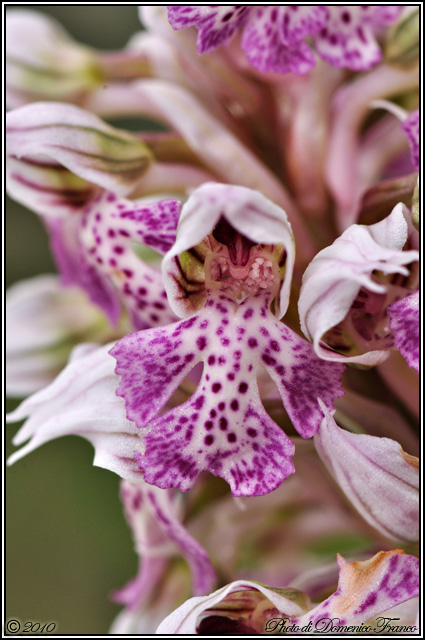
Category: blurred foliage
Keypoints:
(68, 545)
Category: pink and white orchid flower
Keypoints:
(366, 589)
(347, 293)
(232, 261)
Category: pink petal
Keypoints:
(366, 589)
(348, 39)
(81, 401)
(185, 618)
(79, 141)
(377, 476)
(223, 427)
(159, 534)
(410, 127)
(335, 276)
(404, 322)
(216, 25)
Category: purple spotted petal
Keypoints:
(163, 511)
(96, 252)
(297, 22)
(116, 220)
(75, 269)
(366, 589)
(411, 128)
(348, 39)
(216, 25)
(379, 478)
(404, 321)
(223, 427)
(273, 37)
(158, 533)
(301, 377)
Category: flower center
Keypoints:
(261, 272)
(237, 266)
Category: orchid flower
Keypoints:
(366, 589)
(232, 261)
(348, 288)
(274, 37)
(73, 169)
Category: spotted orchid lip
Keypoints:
(223, 427)
(274, 37)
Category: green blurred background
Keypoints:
(67, 542)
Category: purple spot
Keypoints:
(221, 406)
(142, 291)
(231, 437)
(251, 432)
(274, 345)
(201, 343)
(213, 413)
(209, 439)
(223, 424)
(211, 360)
(117, 249)
(112, 262)
(252, 343)
(199, 403)
(248, 313)
(128, 273)
(243, 387)
(111, 233)
(234, 405)
(216, 387)
(208, 425)
(230, 376)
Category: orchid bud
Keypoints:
(44, 63)
(402, 46)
